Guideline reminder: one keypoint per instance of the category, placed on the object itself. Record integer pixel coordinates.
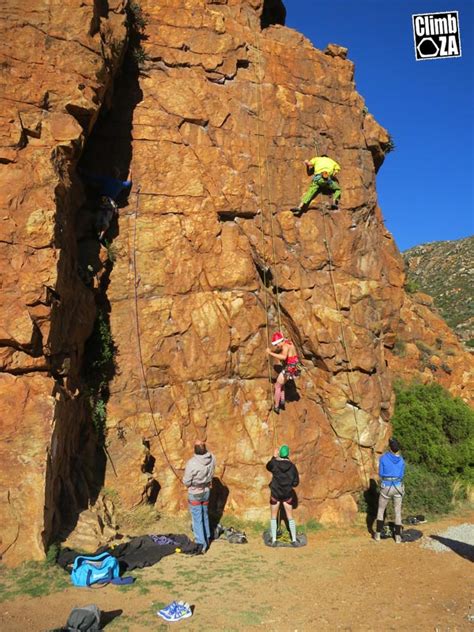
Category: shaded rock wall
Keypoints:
(57, 65)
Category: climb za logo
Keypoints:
(436, 35)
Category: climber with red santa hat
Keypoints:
(285, 350)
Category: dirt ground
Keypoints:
(341, 581)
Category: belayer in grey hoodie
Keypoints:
(199, 471)
(197, 478)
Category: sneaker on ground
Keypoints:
(398, 539)
(376, 536)
(167, 613)
(181, 611)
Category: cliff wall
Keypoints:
(214, 107)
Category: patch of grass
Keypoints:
(112, 251)
(411, 286)
(425, 354)
(248, 526)
(137, 22)
(163, 583)
(139, 519)
(400, 348)
(35, 579)
(253, 617)
(389, 146)
(312, 526)
(99, 369)
(136, 17)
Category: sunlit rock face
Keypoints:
(207, 261)
(228, 113)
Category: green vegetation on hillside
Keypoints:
(445, 271)
(436, 432)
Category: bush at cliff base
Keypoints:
(436, 432)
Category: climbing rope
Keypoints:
(264, 157)
(136, 281)
(260, 115)
(354, 391)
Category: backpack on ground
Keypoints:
(235, 537)
(93, 569)
(84, 619)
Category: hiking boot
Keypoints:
(398, 539)
(376, 536)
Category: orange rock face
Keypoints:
(57, 66)
(209, 260)
(227, 116)
(428, 350)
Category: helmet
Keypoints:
(277, 338)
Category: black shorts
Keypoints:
(275, 501)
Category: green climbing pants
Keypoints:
(318, 183)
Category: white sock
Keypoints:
(292, 525)
(273, 529)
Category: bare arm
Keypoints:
(279, 356)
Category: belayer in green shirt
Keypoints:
(323, 169)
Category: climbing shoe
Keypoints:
(282, 405)
(295, 210)
(334, 206)
(276, 410)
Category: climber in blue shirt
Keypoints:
(109, 188)
(391, 472)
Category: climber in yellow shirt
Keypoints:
(323, 169)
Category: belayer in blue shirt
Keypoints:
(391, 472)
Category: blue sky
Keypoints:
(425, 186)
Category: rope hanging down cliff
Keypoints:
(136, 281)
(260, 114)
(354, 391)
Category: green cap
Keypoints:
(284, 451)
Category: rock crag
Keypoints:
(215, 110)
(57, 68)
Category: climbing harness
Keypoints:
(136, 280)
